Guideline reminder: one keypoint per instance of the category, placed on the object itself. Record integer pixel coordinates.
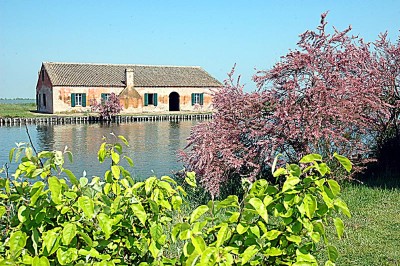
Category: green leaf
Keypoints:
(198, 243)
(241, 229)
(199, 211)
(248, 254)
(22, 214)
(70, 156)
(116, 172)
(272, 234)
(305, 257)
(176, 202)
(36, 192)
(139, 212)
(55, 188)
(156, 231)
(273, 252)
(295, 170)
(129, 160)
(16, 243)
(101, 154)
(279, 172)
(51, 240)
(148, 184)
(290, 183)
(294, 238)
(222, 234)
(28, 153)
(11, 154)
(35, 240)
(334, 186)
(275, 162)
(154, 249)
(68, 233)
(230, 201)
(209, 256)
(255, 230)
(87, 205)
(333, 254)
(37, 172)
(67, 256)
(71, 176)
(339, 227)
(329, 263)
(342, 206)
(105, 224)
(344, 162)
(40, 261)
(86, 238)
(115, 157)
(83, 181)
(123, 140)
(191, 179)
(311, 158)
(259, 206)
(3, 210)
(310, 205)
(234, 217)
(322, 168)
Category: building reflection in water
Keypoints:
(153, 145)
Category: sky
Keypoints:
(213, 34)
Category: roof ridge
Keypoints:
(106, 64)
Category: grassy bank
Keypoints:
(18, 110)
(373, 233)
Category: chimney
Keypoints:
(129, 78)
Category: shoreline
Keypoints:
(122, 118)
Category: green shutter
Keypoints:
(201, 98)
(193, 98)
(103, 98)
(72, 99)
(83, 99)
(155, 99)
(146, 99)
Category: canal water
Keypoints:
(153, 145)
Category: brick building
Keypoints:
(73, 87)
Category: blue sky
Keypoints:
(212, 34)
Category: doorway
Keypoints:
(174, 101)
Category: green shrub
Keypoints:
(272, 225)
(50, 217)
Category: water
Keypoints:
(153, 145)
(16, 101)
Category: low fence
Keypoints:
(95, 119)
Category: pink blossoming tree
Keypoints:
(326, 96)
(109, 108)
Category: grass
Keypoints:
(18, 110)
(372, 234)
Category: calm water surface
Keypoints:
(153, 145)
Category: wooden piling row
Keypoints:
(94, 119)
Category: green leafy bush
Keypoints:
(50, 217)
(272, 225)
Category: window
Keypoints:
(105, 97)
(197, 98)
(44, 100)
(150, 99)
(78, 99)
(42, 75)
